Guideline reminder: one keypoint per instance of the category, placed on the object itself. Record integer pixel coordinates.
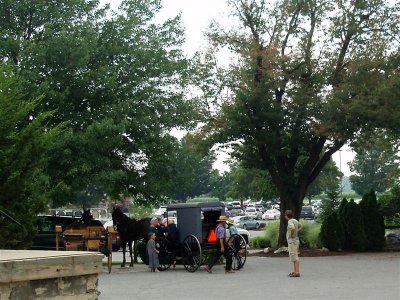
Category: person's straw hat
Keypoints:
(230, 221)
(222, 219)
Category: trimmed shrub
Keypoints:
(332, 233)
(354, 227)
(272, 233)
(309, 235)
(260, 242)
(374, 226)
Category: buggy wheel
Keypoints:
(191, 253)
(238, 248)
(109, 250)
(166, 255)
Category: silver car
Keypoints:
(246, 222)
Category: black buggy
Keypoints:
(196, 223)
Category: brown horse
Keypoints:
(129, 230)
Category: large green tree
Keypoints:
(119, 81)
(25, 138)
(306, 77)
(376, 165)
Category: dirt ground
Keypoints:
(314, 253)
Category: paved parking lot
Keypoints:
(356, 276)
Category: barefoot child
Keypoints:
(152, 253)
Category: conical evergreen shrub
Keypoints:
(354, 227)
(374, 226)
(332, 233)
(340, 210)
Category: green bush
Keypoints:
(354, 227)
(374, 226)
(260, 242)
(309, 235)
(332, 233)
(272, 233)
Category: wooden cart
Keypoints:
(90, 238)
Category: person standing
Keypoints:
(222, 248)
(231, 227)
(152, 253)
(292, 236)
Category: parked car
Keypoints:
(246, 222)
(45, 238)
(161, 210)
(271, 214)
(243, 232)
(228, 207)
(235, 212)
(261, 208)
(307, 212)
(253, 212)
(236, 204)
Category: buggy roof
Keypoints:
(198, 205)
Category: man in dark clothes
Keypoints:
(222, 247)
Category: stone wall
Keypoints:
(65, 275)
(67, 288)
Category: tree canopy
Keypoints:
(306, 78)
(118, 80)
(376, 165)
(25, 137)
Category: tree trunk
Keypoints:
(294, 202)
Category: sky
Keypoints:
(196, 16)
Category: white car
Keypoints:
(253, 212)
(271, 214)
(236, 204)
(161, 210)
(243, 232)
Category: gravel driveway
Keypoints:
(355, 276)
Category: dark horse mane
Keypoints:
(129, 230)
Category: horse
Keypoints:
(129, 230)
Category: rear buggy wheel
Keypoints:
(238, 248)
(166, 255)
(191, 253)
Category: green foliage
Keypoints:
(191, 171)
(310, 234)
(291, 104)
(118, 81)
(272, 233)
(328, 182)
(140, 211)
(376, 165)
(260, 242)
(332, 232)
(374, 226)
(203, 199)
(390, 206)
(352, 220)
(243, 182)
(25, 138)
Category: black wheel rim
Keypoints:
(238, 247)
(191, 253)
(165, 256)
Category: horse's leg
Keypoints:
(130, 253)
(135, 251)
(123, 252)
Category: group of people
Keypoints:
(158, 229)
(224, 225)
